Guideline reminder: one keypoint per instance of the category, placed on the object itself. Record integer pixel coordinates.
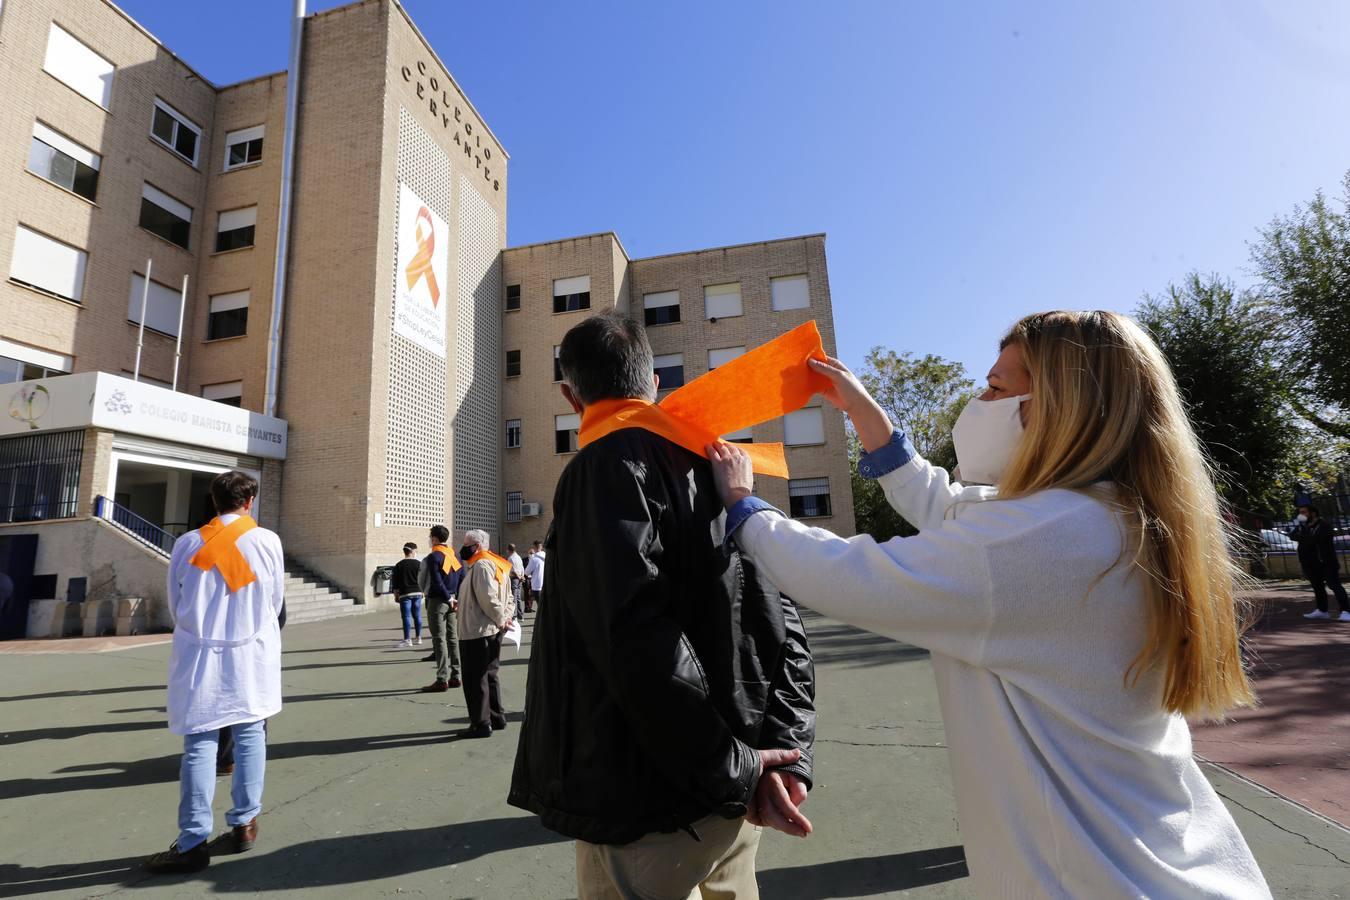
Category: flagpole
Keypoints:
(178, 344)
(140, 335)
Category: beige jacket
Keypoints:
(485, 606)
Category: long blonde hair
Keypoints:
(1105, 408)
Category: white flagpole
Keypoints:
(178, 344)
(140, 335)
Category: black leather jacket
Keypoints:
(659, 664)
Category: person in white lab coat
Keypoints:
(226, 590)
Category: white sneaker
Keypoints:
(1318, 614)
(417, 643)
(407, 643)
(1344, 616)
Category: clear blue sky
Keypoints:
(969, 164)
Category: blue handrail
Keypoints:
(142, 529)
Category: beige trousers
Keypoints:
(674, 866)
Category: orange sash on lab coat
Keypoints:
(219, 550)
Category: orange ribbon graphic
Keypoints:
(420, 265)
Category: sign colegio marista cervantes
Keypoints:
(429, 87)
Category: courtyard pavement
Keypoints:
(369, 794)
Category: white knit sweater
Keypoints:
(1068, 784)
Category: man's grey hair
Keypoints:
(477, 536)
(607, 357)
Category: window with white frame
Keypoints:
(669, 370)
(722, 301)
(79, 68)
(805, 426)
(572, 294)
(161, 305)
(230, 393)
(513, 500)
(47, 264)
(163, 215)
(722, 356)
(63, 162)
(790, 292)
(243, 147)
(512, 434)
(19, 362)
(661, 308)
(175, 131)
(809, 497)
(565, 430)
(235, 227)
(227, 316)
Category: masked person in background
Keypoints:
(1317, 558)
(1078, 611)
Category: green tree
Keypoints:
(923, 396)
(1225, 357)
(1303, 261)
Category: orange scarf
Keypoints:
(503, 566)
(451, 561)
(769, 381)
(220, 551)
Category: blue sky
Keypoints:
(970, 162)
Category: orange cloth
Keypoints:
(768, 381)
(451, 562)
(219, 550)
(503, 566)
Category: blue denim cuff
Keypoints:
(743, 510)
(885, 460)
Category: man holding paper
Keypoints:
(485, 610)
(670, 695)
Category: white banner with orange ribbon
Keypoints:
(422, 274)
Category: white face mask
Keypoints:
(986, 435)
(1301, 518)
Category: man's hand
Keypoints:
(778, 795)
(732, 472)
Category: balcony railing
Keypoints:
(143, 530)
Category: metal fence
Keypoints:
(40, 476)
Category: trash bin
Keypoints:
(384, 580)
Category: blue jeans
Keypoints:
(197, 781)
(411, 607)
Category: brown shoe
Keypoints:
(227, 769)
(238, 839)
(453, 682)
(172, 860)
(436, 687)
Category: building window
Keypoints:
(63, 162)
(809, 497)
(790, 292)
(512, 297)
(744, 436)
(165, 216)
(230, 393)
(512, 363)
(557, 362)
(161, 305)
(39, 473)
(805, 426)
(572, 294)
(512, 434)
(21, 363)
(513, 499)
(227, 316)
(565, 430)
(49, 265)
(78, 67)
(662, 308)
(243, 147)
(235, 227)
(669, 371)
(175, 131)
(723, 356)
(722, 301)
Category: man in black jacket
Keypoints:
(670, 695)
(1317, 558)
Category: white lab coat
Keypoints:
(225, 668)
(534, 570)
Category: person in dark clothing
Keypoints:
(1317, 557)
(408, 589)
(440, 575)
(669, 701)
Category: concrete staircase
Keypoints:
(309, 598)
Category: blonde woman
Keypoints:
(1079, 610)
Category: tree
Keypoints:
(1226, 360)
(1303, 261)
(923, 397)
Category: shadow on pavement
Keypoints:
(331, 861)
(839, 644)
(60, 695)
(66, 732)
(866, 877)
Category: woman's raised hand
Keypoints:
(847, 393)
(732, 471)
